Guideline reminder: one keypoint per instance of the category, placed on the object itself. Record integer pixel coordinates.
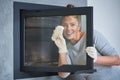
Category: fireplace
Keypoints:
(35, 54)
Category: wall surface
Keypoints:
(6, 40)
(6, 33)
(107, 19)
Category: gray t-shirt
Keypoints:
(77, 52)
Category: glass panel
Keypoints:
(40, 50)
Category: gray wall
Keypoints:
(6, 32)
(107, 19)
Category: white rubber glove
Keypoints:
(59, 40)
(92, 52)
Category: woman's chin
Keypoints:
(69, 38)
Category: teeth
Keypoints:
(69, 33)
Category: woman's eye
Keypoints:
(64, 25)
(72, 25)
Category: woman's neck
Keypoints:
(74, 41)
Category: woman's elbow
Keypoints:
(64, 74)
(117, 60)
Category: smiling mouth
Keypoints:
(69, 33)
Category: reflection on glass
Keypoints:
(40, 50)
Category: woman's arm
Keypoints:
(108, 60)
(62, 61)
(107, 55)
(60, 42)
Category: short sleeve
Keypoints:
(102, 45)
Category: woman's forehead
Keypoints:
(70, 18)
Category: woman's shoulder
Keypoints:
(98, 39)
(98, 35)
(96, 32)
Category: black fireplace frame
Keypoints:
(21, 71)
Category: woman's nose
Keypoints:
(68, 28)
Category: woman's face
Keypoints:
(71, 27)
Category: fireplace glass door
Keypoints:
(35, 54)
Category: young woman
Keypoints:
(105, 56)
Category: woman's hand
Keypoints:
(92, 52)
(59, 40)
